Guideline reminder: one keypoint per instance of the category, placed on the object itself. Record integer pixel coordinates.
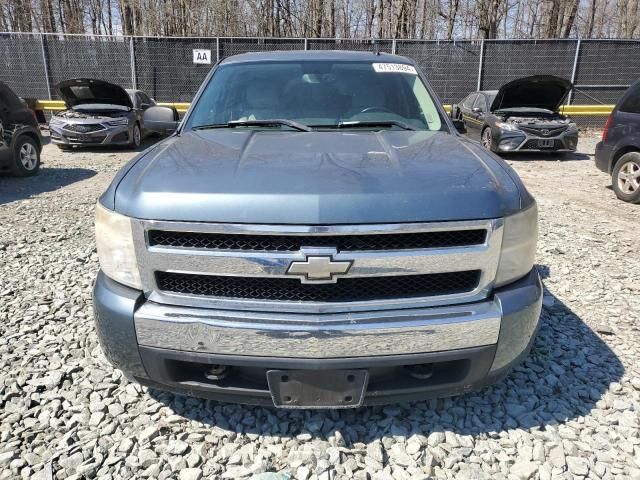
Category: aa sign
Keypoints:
(202, 56)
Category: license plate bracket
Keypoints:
(317, 388)
(545, 143)
(80, 138)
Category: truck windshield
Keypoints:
(316, 94)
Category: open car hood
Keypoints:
(538, 91)
(86, 90)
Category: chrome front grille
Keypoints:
(281, 243)
(354, 289)
(246, 267)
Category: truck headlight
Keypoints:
(519, 237)
(114, 240)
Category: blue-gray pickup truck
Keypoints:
(315, 233)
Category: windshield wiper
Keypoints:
(257, 123)
(377, 123)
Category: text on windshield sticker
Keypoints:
(394, 68)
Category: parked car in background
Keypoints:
(522, 116)
(99, 113)
(316, 234)
(20, 140)
(618, 154)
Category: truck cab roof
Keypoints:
(316, 55)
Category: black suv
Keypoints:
(618, 154)
(20, 140)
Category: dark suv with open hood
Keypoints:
(522, 116)
(99, 113)
(316, 234)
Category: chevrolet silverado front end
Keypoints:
(314, 239)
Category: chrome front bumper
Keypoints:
(391, 332)
(355, 334)
(169, 348)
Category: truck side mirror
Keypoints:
(159, 119)
(460, 126)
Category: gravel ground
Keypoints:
(570, 411)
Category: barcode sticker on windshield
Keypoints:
(394, 68)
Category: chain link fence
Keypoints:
(32, 64)
(451, 67)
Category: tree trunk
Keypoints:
(109, 18)
(332, 18)
(371, 15)
(571, 18)
(127, 17)
(24, 16)
(550, 17)
(592, 16)
(451, 20)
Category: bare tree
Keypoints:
(329, 18)
(489, 17)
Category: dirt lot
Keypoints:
(570, 411)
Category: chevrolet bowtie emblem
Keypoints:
(319, 268)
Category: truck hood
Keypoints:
(275, 177)
(87, 90)
(538, 91)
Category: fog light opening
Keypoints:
(509, 144)
(422, 371)
(216, 372)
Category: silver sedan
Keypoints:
(99, 113)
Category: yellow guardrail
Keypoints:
(587, 110)
(49, 105)
(56, 105)
(574, 110)
(182, 107)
